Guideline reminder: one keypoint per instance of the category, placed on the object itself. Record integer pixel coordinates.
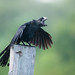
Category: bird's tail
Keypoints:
(4, 56)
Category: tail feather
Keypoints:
(4, 56)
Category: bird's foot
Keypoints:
(29, 44)
(23, 43)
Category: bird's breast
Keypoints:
(28, 34)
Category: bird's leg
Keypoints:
(29, 44)
(23, 43)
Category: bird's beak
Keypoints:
(42, 20)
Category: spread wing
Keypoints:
(42, 39)
(17, 36)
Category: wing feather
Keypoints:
(18, 34)
(42, 39)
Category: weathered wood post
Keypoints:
(22, 60)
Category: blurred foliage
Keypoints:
(58, 60)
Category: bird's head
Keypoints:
(40, 22)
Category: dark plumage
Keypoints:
(31, 33)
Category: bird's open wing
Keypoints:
(42, 39)
(18, 34)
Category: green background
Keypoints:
(58, 60)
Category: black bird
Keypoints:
(31, 33)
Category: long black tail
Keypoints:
(4, 56)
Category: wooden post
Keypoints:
(22, 60)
